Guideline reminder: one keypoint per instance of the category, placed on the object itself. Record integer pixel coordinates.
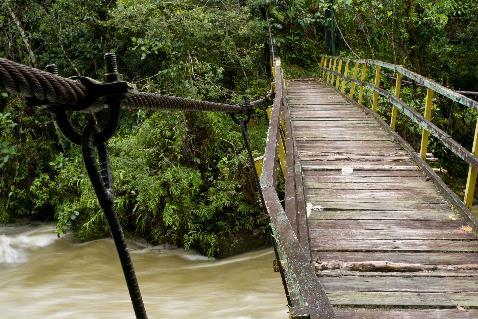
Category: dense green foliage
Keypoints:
(180, 177)
(435, 38)
(183, 177)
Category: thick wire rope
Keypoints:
(343, 38)
(69, 94)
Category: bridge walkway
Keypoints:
(385, 241)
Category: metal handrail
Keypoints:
(305, 295)
(332, 73)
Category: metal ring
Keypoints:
(72, 134)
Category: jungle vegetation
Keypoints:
(183, 177)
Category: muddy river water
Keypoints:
(42, 276)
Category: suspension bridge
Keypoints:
(366, 229)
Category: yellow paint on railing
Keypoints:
(322, 63)
(354, 76)
(427, 114)
(362, 88)
(332, 79)
(472, 173)
(346, 74)
(269, 113)
(328, 72)
(378, 76)
(258, 161)
(398, 87)
(339, 70)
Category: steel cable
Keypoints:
(48, 88)
(156, 101)
(43, 86)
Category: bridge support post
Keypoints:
(332, 79)
(354, 76)
(328, 71)
(346, 73)
(472, 174)
(427, 114)
(324, 71)
(398, 87)
(378, 76)
(339, 70)
(362, 88)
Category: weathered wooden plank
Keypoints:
(357, 138)
(319, 107)
(389, 185)
(337, 127)
(351, 144)
(375, 205)
(337, 124)
(342, 161)
(425, 194)
(448, 258)
(442, 214)
(361, 174)
(381, 245)
(387, 225)
(404, 299)
(320, 150)
(316, 235)
(317, 101)
(367, 313)
(417, 275)
(353, 158)
(390, 224)
(348, 168)
(320, 114)
(310, 133)
(400, 284)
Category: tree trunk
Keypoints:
(23, 35)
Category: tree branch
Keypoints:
(23, 36)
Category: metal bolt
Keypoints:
(111, 63)
(111, 74)
(52, 68)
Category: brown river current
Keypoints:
(42, 276)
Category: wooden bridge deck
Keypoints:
(386, 242)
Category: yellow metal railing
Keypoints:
(332, 75)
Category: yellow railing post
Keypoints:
(354, 76)
(328, 71)
(378, 76)
(332, 78)
(346, 74)
(398, 87)
(427, 115)
(339, 70)
(323, 62)
(472, 173)
(258, 161)
(362, 87)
